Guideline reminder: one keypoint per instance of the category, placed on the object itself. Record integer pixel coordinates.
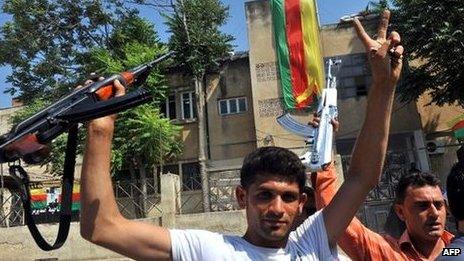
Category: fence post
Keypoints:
(170, 184)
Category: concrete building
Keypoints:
(229, 114)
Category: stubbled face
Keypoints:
(424, 212)
(272, 205)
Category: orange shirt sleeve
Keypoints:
(358, 242)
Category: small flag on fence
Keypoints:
(457, 126)
(49, 199)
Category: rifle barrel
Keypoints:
(140, 69)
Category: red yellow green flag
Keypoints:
(296, 34)
(41, 199)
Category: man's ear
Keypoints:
(399, 209)
(241, 195)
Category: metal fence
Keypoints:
(222, 186)
(11, 210)
(191, 196)
(377, 212)
(138, 198)
(222, 190)
(396, 164)
(135, 198)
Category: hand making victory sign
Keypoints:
(385, 54)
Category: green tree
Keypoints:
(432, 33)
(45, 41)
(143, 138)
(376, 7)
(127, 43)
(199, 42)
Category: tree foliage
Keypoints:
(143, 137)
(45, 41)
(107, 43)
(196, 35)
(376, 7)
(432, 33)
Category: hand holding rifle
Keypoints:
(28, 140)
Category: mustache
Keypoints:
(433, 223)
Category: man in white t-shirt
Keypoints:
(272, 180)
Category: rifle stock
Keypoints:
(89, 102)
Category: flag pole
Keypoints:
(317, 15)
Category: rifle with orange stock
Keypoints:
(28, 140)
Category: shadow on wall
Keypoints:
(432, 123)
(259, 11)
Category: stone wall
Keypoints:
(16, 243)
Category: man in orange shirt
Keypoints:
(419, 204)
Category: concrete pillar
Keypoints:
(170, 198)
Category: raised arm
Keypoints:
(385, 58)
(101, 222)
(357, 241)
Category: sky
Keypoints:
(330, 12)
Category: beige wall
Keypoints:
(179, 83)
(5, 115)
(340, 39)
(435, 118)
(353, 110)
(190, 140)
(231, 136)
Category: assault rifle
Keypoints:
(320, 139)
(28, 140)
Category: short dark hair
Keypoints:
(455, 190)
(414, 179)
(272, 161)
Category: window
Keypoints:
(188, 105)
(361, 90)
(353, 76)
(168, 107)
(173, 169)
(191, 179)
(232, 106)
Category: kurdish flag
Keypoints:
(43, 200)
(296, 33)
(457, 126)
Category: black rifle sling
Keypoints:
(66, 195)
